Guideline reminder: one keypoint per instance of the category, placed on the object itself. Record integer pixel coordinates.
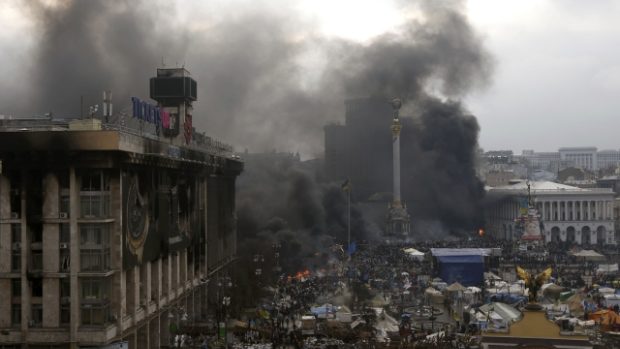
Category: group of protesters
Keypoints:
(384, 271)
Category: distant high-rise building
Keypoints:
(350, 149)
(549, 161)
(580, 157)
(586, 158)
(608, 159)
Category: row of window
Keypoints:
(92, 205)
(94, 195)
(94, 302)
(94, 249)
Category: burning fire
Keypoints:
(300, 275)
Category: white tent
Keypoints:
(384, 325)
(607, 268)
(434, 295)
(506, 312)
(606, 290)
(491, 276)
(590, 255)
(413, 253)
(474, 289)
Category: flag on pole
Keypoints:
(346, 186)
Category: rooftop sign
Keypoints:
(150, 113)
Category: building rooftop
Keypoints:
(94, 134)
(544, 188)
(569, 149)
(539, 186)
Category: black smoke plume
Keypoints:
(282, 199)
(86, 47)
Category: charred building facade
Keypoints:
(110, 232)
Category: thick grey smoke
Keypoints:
(443, 52)
(267, 80)
(85, 47)
(256, 87)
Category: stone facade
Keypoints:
(66, 275)
(568, 214)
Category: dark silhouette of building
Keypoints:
(361, 149)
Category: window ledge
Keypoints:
(96, 273)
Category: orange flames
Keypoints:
(300, 275)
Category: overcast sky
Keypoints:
(557, 75)
(557, 63)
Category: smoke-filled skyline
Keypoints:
(267, 79)
(261, 70)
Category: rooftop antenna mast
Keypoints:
(107, 105)
(529, 193)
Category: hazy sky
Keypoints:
(557, 75)
(557, 63)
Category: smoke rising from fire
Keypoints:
(268, 80)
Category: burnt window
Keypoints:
(16, 287)
(16, 314)
(37, 287)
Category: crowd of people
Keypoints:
(382, 275)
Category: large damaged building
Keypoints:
(111, 227)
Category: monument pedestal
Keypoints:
(398, 221)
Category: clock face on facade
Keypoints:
(137, 216)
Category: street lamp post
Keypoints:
(223, 303)
(276, 252)
(179, 314)
(349, 222)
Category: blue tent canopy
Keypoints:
(467, 270)
(323, 310)
(460, 259)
